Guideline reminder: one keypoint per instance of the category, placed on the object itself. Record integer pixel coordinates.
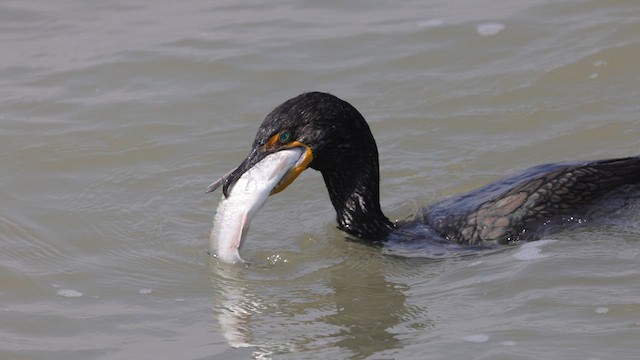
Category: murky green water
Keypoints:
(115, 116)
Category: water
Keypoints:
(116, 116)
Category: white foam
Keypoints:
(508, 343)
(490, 28)
(69, 293)
(145, 291)
(476, 338)
(602, 310)
(531, 250)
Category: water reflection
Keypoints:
(368, 307)
(351, 307)
(232, 304)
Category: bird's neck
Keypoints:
(354, 189)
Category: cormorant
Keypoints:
(337, 141)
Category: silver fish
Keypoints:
(248, 194)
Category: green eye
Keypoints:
(284, 137)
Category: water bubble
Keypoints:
(491, 28)
(69, 293)
(276, 258)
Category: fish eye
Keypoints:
(284, 137)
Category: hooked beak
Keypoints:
(256, 155)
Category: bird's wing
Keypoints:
(516, 207)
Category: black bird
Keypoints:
(338, 142)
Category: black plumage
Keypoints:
(515, 208)
(511, 209)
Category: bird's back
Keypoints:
(526, 205)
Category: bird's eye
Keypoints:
(284, 137)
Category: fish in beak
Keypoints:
(257, 155)
(246, 188)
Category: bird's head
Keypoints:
(327, 129)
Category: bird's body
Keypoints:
(524, 206)
(339, 144)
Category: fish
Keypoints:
(236, 210)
